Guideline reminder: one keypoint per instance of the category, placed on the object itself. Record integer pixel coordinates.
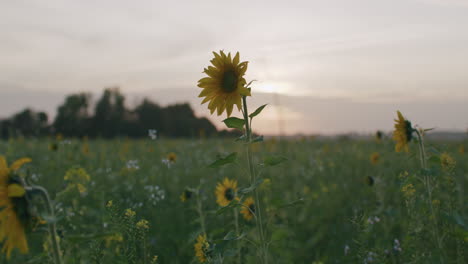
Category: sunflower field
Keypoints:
(327, 203)
(395, 198)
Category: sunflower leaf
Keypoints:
(223, 161)
(234, 122)
(258, 111)
(241, 138)
(257, 139)
(231, 205)
(273, 160)
(233, 236)
(299, 201)
(251, 188)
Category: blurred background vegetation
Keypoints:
(109, 118)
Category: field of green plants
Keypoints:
(323, 201)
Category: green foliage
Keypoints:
(231, 158)
(257, 111)
(234, 122)
(317, 204)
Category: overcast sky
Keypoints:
(336, 66)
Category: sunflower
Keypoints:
(369, 180)
(226, 192)
(374, 158)
(403, 133)
(248, 208)
(202, 248)
(378, 135)
(225, 84)
(171, 157)
(14, 215)
(186, 195)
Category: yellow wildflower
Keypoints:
(447, 162)
(408, 190)
(129, 213)
(142, 224)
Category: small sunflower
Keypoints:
(14, 214)
(186, 195)
(53, 146)
(403, 133)
(202, 248)
(378, 135)
(374, 158)
(369, 180)
(225, 84)
(248, 209)
(171, 157)
(226, 192)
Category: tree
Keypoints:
(149, 116)
(72, 118)
(109, 114)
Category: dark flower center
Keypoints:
(252, 208)
(229, 82)
(409, 130)
(370, 180)
(188, 194)
(229, 194)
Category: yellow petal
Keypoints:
(3, 169)
(3, 163)
(17, 164)
(16, 190)
(236, 59)
(229, 109)
(244, 91)
(205, 92)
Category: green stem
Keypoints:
(253, 178)
(422, 152)
(200, 212)
(236, 219)
(52, 226)
(428, 186)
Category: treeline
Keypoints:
(109, 118)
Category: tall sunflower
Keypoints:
(248, 209)
(202, 248)
(226, 191)
(403, 133)
(225, 84)
(14, 213)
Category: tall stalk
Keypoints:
(236, 219)
(52, 227)
(253, 179)
(427, 184)
(200, 212)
